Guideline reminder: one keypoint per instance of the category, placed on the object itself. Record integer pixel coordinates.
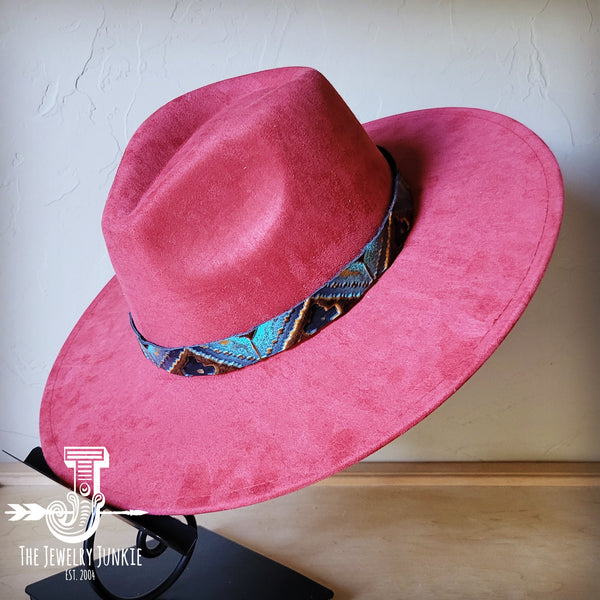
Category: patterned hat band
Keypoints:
(304, 320)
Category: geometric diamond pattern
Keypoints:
(304, 320)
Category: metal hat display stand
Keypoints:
(189, 562)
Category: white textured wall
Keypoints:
(77, 78)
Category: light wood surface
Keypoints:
(411, 474)
(385, 532)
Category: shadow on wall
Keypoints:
(537, 397)
(577, 260)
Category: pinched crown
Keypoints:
(234, 202)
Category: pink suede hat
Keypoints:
(243, 217)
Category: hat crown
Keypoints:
(234, 202)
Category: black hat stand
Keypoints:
(209, 566)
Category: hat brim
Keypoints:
(489, 204)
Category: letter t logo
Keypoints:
(87, 462)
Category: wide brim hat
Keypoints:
(232, 205)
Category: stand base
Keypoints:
(218, 569)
